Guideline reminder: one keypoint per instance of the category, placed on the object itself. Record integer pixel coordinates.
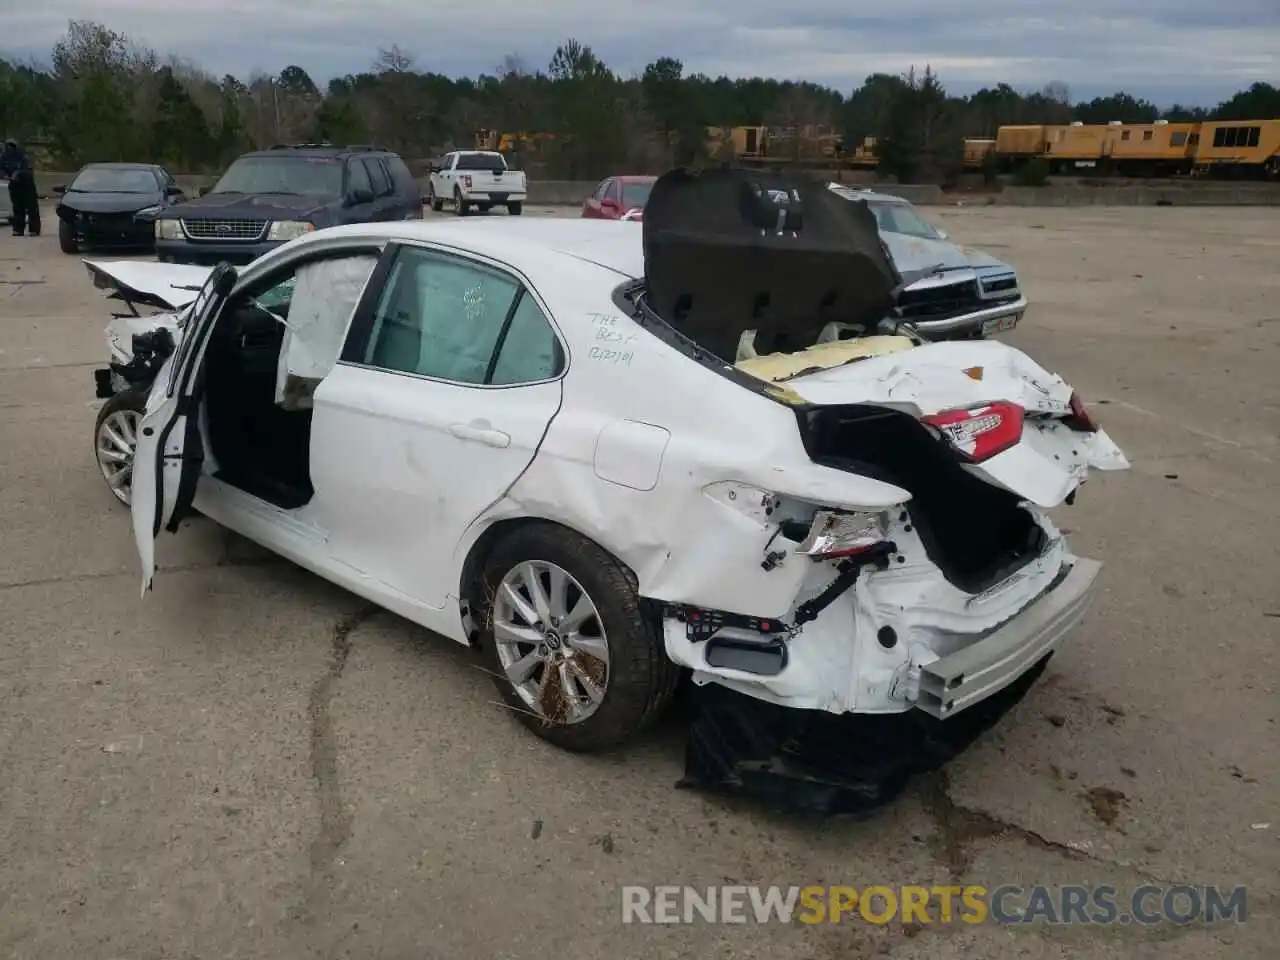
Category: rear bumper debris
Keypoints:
(819, 763)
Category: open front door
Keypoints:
(169, 452)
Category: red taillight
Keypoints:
(979, 433)
(1080, 419)
(466, 180)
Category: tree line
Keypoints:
(105, 96)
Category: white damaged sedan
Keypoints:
(610, 455)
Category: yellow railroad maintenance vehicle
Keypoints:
(1238, 148)
(1247, 149)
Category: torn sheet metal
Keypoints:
(824, 764)
(325, 295)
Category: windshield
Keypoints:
(481, 161)
(902, 218)
(308, 176)
(108, 180)
(635, 194)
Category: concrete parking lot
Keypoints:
(249, 763)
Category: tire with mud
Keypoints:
(571, 647)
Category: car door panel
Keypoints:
(169, 453)
(405, 460)
(412, 462)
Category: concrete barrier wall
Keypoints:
(573, 192)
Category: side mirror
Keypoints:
(173, 190)
(203, 190)
(60, 189)
(359, 195)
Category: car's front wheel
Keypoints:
(115, 438)
(434, 202)
(569, 643)
(67, 237)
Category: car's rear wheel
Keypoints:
(571, 648)
(515, 208)
(460, 206)
(67, 237)
(115, 438)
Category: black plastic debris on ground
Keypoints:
(823, 764)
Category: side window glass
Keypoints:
(439, 317)
(530, 351)
(279, 298)
(376, 177)
(400, 174)
(615, 191)
(359, 177)
(601, 190)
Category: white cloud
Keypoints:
(1165, 49)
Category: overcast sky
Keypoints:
(1191, 51)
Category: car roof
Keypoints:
(523, 243)
(111, 165)
(317, 150)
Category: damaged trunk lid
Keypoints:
(1003, 417)
(730, 251)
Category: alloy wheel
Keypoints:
(551, 642)
(116, 441)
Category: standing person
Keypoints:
(16, 166)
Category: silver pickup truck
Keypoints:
(966, 293)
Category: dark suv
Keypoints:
(271, 196)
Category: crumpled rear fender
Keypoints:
(701, 535)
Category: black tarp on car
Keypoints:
(729, 250)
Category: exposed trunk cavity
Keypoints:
(975, 532)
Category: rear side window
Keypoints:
(529, 351)
(358, 177)
(440, 317)
(400, 174)
(377, 176)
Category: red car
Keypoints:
(618, 198)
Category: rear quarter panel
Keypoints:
(706, 448)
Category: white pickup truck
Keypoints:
(476, 178)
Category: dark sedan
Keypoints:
(113, 205)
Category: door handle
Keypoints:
(480, 434)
